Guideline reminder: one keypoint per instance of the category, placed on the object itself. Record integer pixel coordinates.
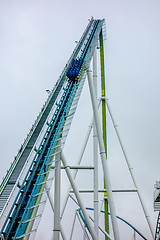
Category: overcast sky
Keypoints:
(37, 39)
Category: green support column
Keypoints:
(104, 123)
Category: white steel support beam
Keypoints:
(57, 188)
(103, 231)
(74, 220)
(95, 149)
(78, 162)
(76, 171)
(79, 200)
(103, 157)
(131, 172)
(85, 235)
(78, 167)
(104, 190)
(52, 206)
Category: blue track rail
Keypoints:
(21, 212)
(123, 220)
(34, 176)
(13, 173)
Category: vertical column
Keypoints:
(104, 123)
(95, 149)
(78, 197)
(103, 157)
(56, 235)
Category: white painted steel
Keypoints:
(52, 207)
(57, 188)
(85, 235)
(74, 220)
(103, 157)
(104, 190)
(95, 149)
(75, 189)
(78, 167)
(131, 172)
(79, 161)
(102, 230)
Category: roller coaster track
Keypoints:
(157, 234)
(123, 220)
(21, 158)
(27, 208)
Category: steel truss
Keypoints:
(26, 187)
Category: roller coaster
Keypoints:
(26, 186)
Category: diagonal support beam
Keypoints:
(103, 157)
(79, 161)
(100, 228)
(79, 200)
(131, 171)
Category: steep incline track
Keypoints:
(20, 160)
(26, 208)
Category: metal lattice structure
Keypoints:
(25, 188)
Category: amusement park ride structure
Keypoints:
(26, 186)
